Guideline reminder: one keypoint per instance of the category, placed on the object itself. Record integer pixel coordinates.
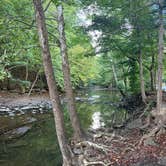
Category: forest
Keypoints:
(82, 83)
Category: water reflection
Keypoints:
(39, 146)
(96, 121)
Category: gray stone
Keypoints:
(31, 119)
(11, 114)
(15, 133)
(162, 161)
(135, 124)
(150, 141)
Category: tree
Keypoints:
(160, 57)
(142, 78)
(58, 115)
(78, 133)
(19, 46)
(128, 30)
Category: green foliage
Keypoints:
(19, 41)
(126, 28)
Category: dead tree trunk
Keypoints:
(142, 84)
(160, 57)
(78, 132)
(47, 62)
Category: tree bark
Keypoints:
(47, 62)
(152, 73)
(78, 132)
(142, 84)
(124, 78)
(27, 71)
(116, 81)
(160, 57)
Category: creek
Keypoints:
(33, 142)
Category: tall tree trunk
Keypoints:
(124, 78)
(152, 73)
(116, 81)
(151, 80)
(160, 56)
(78, 132)
(27, 71)
(142, 84)
(47, 62)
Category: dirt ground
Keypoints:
(16, 99)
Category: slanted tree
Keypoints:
(78, 132)
(48, 68)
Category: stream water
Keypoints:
(39, 147)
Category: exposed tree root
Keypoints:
(151, 134)
(109, 136)
(147, 108)
(86, 163)
(147, 124)
(103, 148)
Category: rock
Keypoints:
(29, 107)
(4, 109)
(81, 99)
(33, 112)
(11, 114)
(40, 109)
(26, 108)
(31, 119)
(16, 109)
(150, 141)
(162, 161)
(77, 151)
(135, 124)
(94, 97)
(18, 132)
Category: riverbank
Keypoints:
(131, 144)
(28, 120)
